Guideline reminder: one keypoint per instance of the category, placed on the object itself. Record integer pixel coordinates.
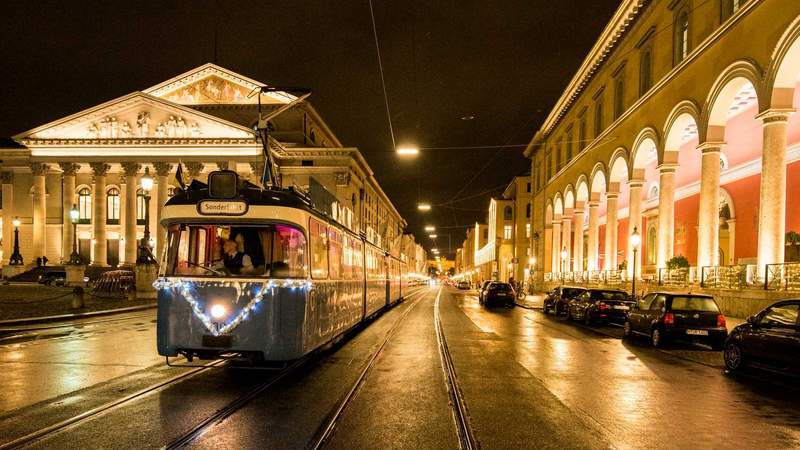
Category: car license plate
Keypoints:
(622, 307)
(697, 332)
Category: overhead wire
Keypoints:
(380, 68)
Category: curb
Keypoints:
(65, 317)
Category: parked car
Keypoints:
(769, 339)
(463, 284)
(500, 293)
(600, 305)
(668, 316)
(53, 278)
(558, 300)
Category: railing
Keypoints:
(782, 277)
(724, 277)
(673, 277)
(615, 276)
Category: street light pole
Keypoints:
(74, 215)
(563, 261)
(636, 239)
(16, 257)
(145, 253)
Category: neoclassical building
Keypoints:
(203, 119)
(679, 124)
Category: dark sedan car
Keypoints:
(499, 293)
(558, 301)
(669, 316)
(770, 340)
(53, 278)
(600, 305)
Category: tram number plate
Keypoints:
(217, 341)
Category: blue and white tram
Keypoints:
(262, 273)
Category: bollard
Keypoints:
(77, 297)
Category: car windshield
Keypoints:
(694, 304)
(504, 287)
(203, 250)
(609, 295)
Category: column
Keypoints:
(772, 206)
(131, 171)
(666, 213)
(708, 211)
(635, 221)
(39, 210)
(7, 180)
(593, 237)
(556, 262)
(566, 239)
(67, 202)
(162, 185)
(194, 169)
(612, 198)
(99, 242)
(577, 246)
(546, 261)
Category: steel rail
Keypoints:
(325, 432)
(466, 437)
(60, 426)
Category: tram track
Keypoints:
(65, 424)
(238, 403)
(466, 436)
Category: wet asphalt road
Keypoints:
(528, 380)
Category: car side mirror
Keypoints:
(752, 320)
(634, 306)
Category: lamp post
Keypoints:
(16, 257)
(145, 254)
(564, 255)
(636, 239)
(74, 215)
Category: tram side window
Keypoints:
(319, 249)
(348, 259)
(335, 253)
(358, 268)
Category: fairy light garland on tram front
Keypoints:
(184, 288)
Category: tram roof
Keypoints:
(254, 196)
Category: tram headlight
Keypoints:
(218, 311)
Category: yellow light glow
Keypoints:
(407, 151)
(432, 236)
(430, 228)
(424, 206)
(218, 311)
(16, 222)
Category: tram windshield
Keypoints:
(203, 250)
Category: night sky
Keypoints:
(504, 63)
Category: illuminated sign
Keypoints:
(222, 208)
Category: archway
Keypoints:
(597, 206)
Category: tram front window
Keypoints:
(275, 251)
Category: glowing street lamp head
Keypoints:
(147, 180)
(424, 206)
(16, 222)
(432, 236)
(74, 214)
(564, 253)
(218, 311)
(532, 260)
(636, 238)
(407, 151)
(430, 228)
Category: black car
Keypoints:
(558, 301)
(482, 290)
(669, 316)
(600, 305)
(769, 339)
(53, 278)
(499, 293)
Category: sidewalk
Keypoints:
(43, 302)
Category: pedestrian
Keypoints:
(38, 261)
(44, 261)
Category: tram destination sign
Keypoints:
(222, 207)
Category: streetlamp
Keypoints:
(424, 207)
(145, 254)
(636, 239)
(432, 236)
(407, 151)
(74, 215)
(16, 257)
(564, 255)
(430, 228)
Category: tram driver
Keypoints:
(234, 261)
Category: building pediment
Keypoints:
(210, 84)
(137, 116)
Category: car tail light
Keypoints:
(669, 319)
(721, 321)
(602, 306)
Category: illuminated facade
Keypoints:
(203, 119)
(679, 124)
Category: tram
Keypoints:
(261, 273)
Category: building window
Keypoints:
(582, 133)
(485, 234)
(84, 206)
(569, 146)
(598, 117)
(651, 246)
(528, 211)
(528, 230)
(528, 187)
(507, 232)
(559, 156)
(140, 207)
(112, 206)
(548, 167)
(730, 7)
(646, 71)
(682, 36)
(619, 98)
(508, 213)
